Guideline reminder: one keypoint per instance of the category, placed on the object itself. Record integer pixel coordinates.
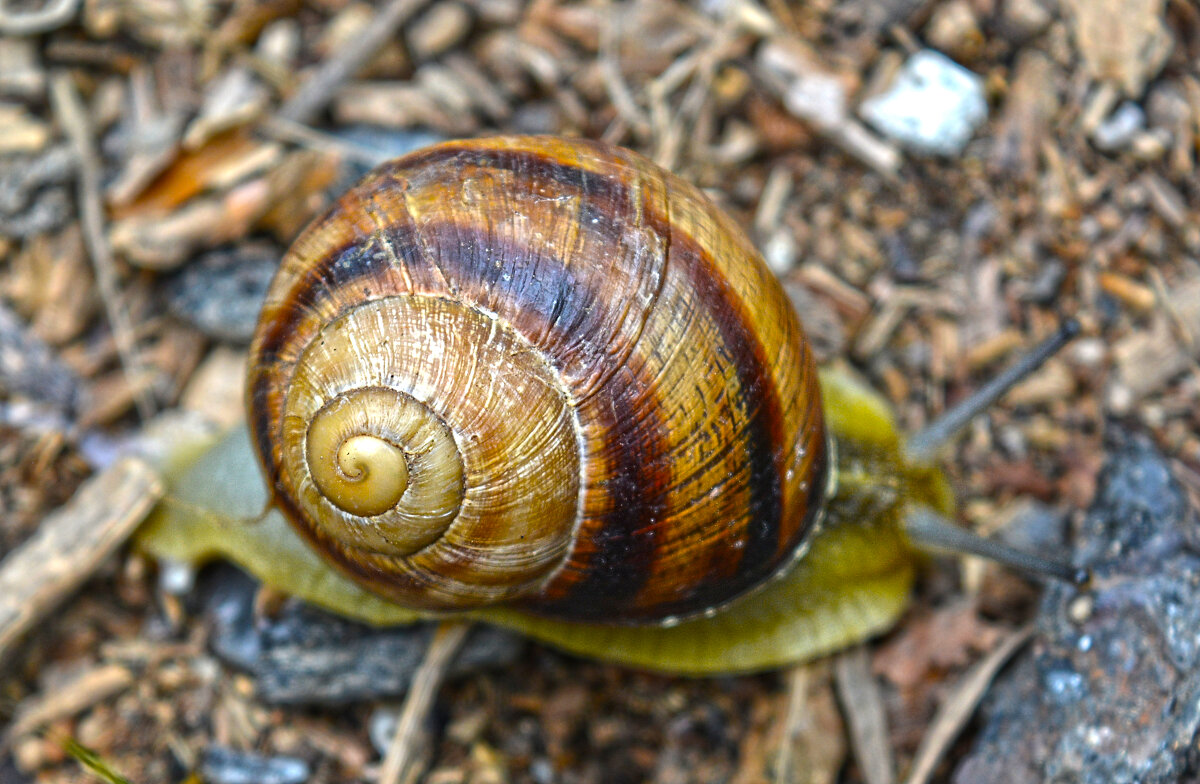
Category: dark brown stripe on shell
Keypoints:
(762, 551)
(762, 439)
(524, 162)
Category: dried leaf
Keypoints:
(939, 640)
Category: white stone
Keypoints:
(933, 106)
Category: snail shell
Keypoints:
(543, 372)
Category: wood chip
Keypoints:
(50, 283)
(67, 699)
(71, 544)
(1138, 297)
(1028, 109)
(217, 388)
(1124, 41)
(21, 74)
(1165, 200)
(1052, 382)
(994, 348)
(192, 173)
(23, 133)
(234, 99)
(819, 96)
(811, 746)
(439, 29)
(43, 17)
(1148, 358)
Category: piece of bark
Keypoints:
(89, 688)
(71, 544)
(1121, 41)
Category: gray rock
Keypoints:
(34, 193)
(1109, 691)
(220, 765)
(305, 656)
(221, 292)
(29, 368)
(375, 145)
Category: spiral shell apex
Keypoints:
(539, 371)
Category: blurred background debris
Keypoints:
(937, 182)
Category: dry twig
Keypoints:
(88, 688)
(73, 118)
(863, 705)
(401, 753)
(316, 93)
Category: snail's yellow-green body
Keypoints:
(853, 581)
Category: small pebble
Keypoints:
(1120, 128)
(1080, 609)
(954, 28)
(222, 765)
(31, 370)
(780, 251)
(1023, 19)
(176, 578)
(933, 106)
(381, 727)
(1045, 286)
(1089, 352)
(1064, 686)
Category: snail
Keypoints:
(544, 383)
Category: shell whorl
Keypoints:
(633, 411)
(466, 491)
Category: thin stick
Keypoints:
(619, 93)
(447, 639)
(922, 446)
(797, 700)
(931, 530)
(862, 705)
(73, 118)
(278, 128)
(79, 693)
(317, 92)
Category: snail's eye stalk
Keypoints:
(930, 530)
(926, 528)
(922, 447)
